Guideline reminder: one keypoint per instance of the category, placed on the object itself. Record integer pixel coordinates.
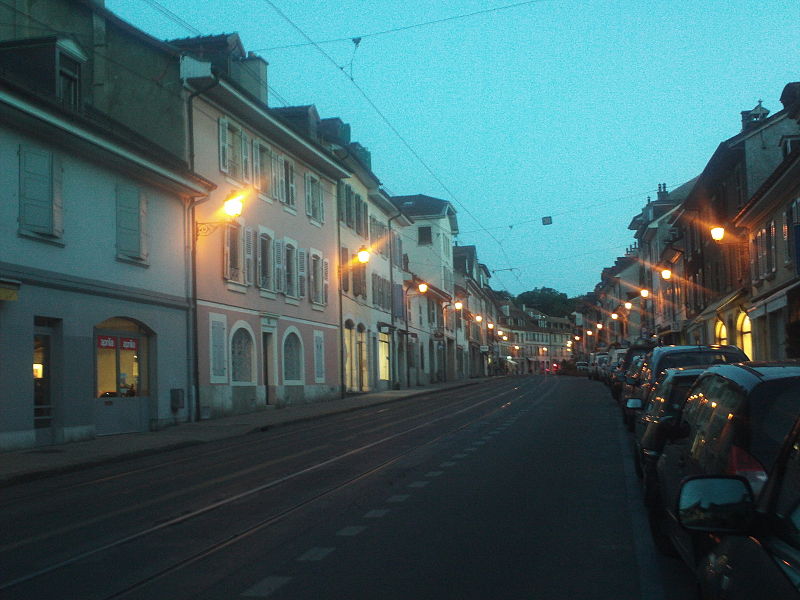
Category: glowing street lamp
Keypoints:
(599, 325)
(490, 325)
(614, 316)
(363, 255)
(628, 305)
(645, 293)
(458, 305)
(717, 233)
(478, 318)
(666, 274)
(422, 287)
(589, 332)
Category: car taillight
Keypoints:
(741, 463)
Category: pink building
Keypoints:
(267, 303)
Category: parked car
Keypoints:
(582, 366)
(657, 420)
(664, 357)
(596, 359)
(734, 422)
(759, 542)
(615, 357)
(636, 350)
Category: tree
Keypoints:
(551, 302)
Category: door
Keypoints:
(43, 407)
(266, 353)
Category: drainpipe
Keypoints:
(192, 343)
(392, 304)
(342, 372)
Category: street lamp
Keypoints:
(614, 316)
(232, 207)
(458, 305)
(666, 274)
(478, 318)
(628, 305)
(717, 233)
(363, 255)
(422, 287)
(645, 293)
(490, 325)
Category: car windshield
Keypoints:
(773, 408)
(680, 359)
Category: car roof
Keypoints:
(703, 348)
(750, 374)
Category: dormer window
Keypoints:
(69, 77)
(789, 144)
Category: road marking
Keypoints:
(433, 473)
(398, 498)
(265, 587)
(419, 484)
(376, 514)
(351, 531)
(315, 554)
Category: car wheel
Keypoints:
(657, 520)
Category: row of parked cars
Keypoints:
(716, 442)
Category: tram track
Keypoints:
(423, 420)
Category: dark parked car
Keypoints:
(758, 555)
(734, 422)
(658, 420)
(664, 357)
(618, 381)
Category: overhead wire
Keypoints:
(406, 27)
(389, 124)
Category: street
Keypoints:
(515, 488)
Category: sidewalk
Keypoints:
(44, 461)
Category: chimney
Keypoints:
(751, 118)
(663, 195)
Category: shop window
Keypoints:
(121, 359)
(720, 333)
(745, 334)
(383, 356)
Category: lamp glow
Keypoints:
(458, 306)
(628, 305)
(599, 325)
(422, 287)
(490, 325)
(645, 293)
(363, 255)
(666, 274)
(717, 233)
(589, 332)
(233, 204)
(478, 318)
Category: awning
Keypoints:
(771, 303)
(9, 289)
(719, 305)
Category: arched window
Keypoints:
(292, 358)
(720, 333)
(242, 356)
(745, 331)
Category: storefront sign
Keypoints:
(128, 344)
(106, 341)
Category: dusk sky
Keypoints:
(575, 110)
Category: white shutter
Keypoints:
(302, 261)
(223, 145)
(321, 203)
(256, 165)
(249, 255)
(325, 270)
(278, 271)
(35, 190)
(128, 221)
(245, 157)
(226, 253)
(309, 199)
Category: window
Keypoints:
(315, 206)
(425, 237)
(40, 201)
(792, 218)
(745, 334)
(69, 76)
(233, 267)
(319, 357)
(318, 275)
(234, 150)
(762, 252)
(218, 348)
(242, 357)
(379, 236)
(265, 262)
(120, 359)
(131, 223)
(292, 359)
(262, 169)
(720, 333)
(383, 356)
(289, 192)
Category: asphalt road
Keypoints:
(517, 488)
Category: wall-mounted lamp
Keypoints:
(458, 305)
(666, 274)
(422, 287)
(589, 332)
(717, 233)
(232, 208)
(599, 325)
(363, 255)
(614, 316)
(490, 325)
(645, 293)
(628, 305)
(478, 318)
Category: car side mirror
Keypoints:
(716, 504)
(634, 404)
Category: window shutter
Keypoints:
(249, 256)
(260, 251)
(308, 194)
(302, 260)
(256, 165)
(245, 156)
(275, 183)
(344, 268)
(226, 254)
(278, 272)
(223, 145)
(348, 193)
(340, 202)
(325, 273)
(375, 299)
(36, 190)
(291, 192)
(320, 200)
(128, 221)
(218, 362)
(142, 225)
(58, 198)
(772, 248)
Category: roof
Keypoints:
(420, 204)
